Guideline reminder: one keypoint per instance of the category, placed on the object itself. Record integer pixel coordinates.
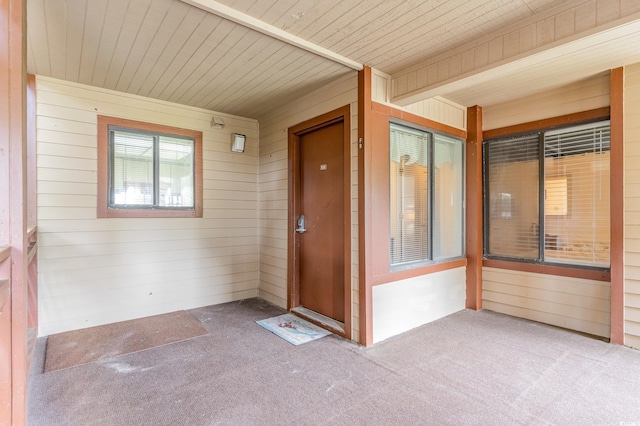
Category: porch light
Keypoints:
(237, 142)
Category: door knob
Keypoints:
(301, 228)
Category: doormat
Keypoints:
(78, 347)
(293, 329)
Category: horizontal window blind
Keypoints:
(553, 209)
(408, 181)
(583, 139)
(408, 145)
(512, 182)
(176, 172)
(132, 174)
(577, 179)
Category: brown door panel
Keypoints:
(321, 247)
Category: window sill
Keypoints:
(419, 271)
(148, 213)
(562, 271)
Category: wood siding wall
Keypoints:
(632, 206)
(441, 110)
(580, 96)
(437, 108)
(380, 87)
(273, 181)
(96, 271)
(511, 47)
(574, 303)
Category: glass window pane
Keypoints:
(176, 172)
(576, 195)
(408, 184)
(132, 169)
(448, 198)
(512, 180)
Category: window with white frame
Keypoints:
(426, 196)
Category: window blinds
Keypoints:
(176, 172)
(426, 196)
(408, 145)
(556, 211)
(132, 175)
(576, 173)
(151, 170)
(512, 181)
(409, 189)
(448, 198)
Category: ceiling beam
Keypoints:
(245, 20)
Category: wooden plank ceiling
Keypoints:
(169, 50)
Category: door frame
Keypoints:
(295, 132)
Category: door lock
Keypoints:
(301, 228)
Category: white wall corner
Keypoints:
(403, 305)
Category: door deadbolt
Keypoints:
(301, 228)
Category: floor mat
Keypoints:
(73, 348)
(293, 329)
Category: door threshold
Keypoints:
(320, 319)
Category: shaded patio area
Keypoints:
(468, 368)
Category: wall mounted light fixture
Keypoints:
(237, 142)
(217, 122)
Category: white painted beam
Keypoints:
(245, 20)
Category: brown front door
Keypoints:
(321, 243)
(321, 202)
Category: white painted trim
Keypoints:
(245, 20)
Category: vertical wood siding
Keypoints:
(437, 108)
(572, 303)
(96, 271)
(441, 110)
(380, 86)
(273, 181)
(632, 206)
